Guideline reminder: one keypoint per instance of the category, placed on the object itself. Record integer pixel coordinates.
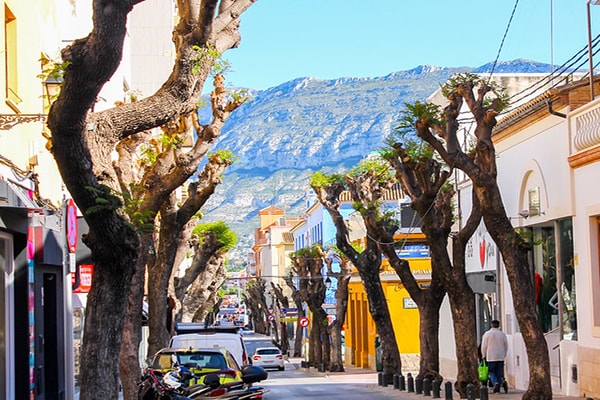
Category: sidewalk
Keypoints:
(360, 375)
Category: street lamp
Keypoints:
(590, 54)
(7, 121)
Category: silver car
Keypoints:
(268, 357)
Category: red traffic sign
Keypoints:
(304, 322)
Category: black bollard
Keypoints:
(426, 387)
(384, 379)
(380, 378)
(448, 391)
(396, 381)
(436, 389)
(410, 383)
(402, 383)
(470, 391)
(483, 393)
(419, 385)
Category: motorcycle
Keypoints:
(233, 390)
(174, 385)
(155, 385)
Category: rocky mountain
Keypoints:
(285, 133)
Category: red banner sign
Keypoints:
(81, 280)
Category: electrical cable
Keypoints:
(503, 38)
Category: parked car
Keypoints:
(200, 361)
(268, 357)
(195, 336)
(253, 341)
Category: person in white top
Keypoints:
(494, 347)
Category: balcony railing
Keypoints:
(585, 127)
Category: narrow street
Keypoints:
(302, 383)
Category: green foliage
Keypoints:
(163, 142)
(319, 179)
(499, 95)
(427, 112)
(169, 142)
(405, 131)
(226, 155)
(104, 198)
(525, 238)
(52, 71)
(375, 164)
(240, 96)
(310, 252)
(143, 221)
(107, 200)
(149, 153)
(219, 65)
(226, 238)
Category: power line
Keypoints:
(503, 38)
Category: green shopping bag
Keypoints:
(483, 371)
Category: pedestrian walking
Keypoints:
(494, 347)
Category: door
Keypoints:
(49, 338)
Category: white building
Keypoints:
(548, 153)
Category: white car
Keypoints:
(268, 357)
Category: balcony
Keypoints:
(584, 125)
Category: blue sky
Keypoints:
(327, 39)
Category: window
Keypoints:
(10, 59)
(554, 278)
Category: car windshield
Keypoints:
(195, 359)
(211, 361)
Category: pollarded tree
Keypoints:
(211, 242)
(424, 180)
(168, 242)
(254, 298)
(83, 140)
(342, 277)
(297, 297)
(485, 101)
(307, 264)
(366, 186)
(282, 301)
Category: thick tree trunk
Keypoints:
(299, 337)
(335, 329)
(429, 320)
(368, 268)
(106, 305)
(159, 275)
(132, 329)
(521, 284)
(481, 168)
(368, 263)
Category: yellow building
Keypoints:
(360, 331)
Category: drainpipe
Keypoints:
(554, 112)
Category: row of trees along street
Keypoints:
(136, 225)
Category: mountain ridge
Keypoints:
(285, 133)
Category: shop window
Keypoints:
(554, 278)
